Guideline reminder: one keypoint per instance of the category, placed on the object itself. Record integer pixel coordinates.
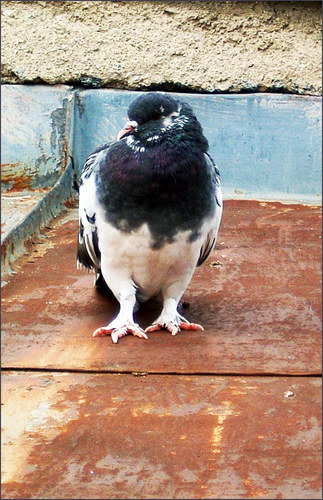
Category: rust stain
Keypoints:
(261, 310)
(10, 165)
(36, 418)
(15, 177)
(252, 490)
(67, 443)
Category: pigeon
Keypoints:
(150, 207)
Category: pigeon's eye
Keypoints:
(157, 116)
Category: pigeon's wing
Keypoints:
(211, 236)
(88, 253)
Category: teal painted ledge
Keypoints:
(267, 146)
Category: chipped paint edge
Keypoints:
(49, 207)
(274, 197)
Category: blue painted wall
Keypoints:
(36, 128)
(267, 146)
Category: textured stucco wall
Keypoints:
(202, 46)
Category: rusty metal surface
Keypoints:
(120, 436)
(201, 433)
(258, 297)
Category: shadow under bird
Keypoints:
(150, 207)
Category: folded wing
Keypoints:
(88, 253)
(210, 240)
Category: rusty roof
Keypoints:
(231, 412)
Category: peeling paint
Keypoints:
(36, 129)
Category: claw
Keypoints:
(99, 332)
(174, 328)
(191, 326)
(153, 328)
(118, 333)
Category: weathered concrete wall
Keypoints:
(202, 46)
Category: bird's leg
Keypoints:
(171, 320)
(123, 323)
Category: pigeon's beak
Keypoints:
(127, 130)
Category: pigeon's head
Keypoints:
(156, 116)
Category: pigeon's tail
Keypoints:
(88, 253)
(84, 262)
(82, 267)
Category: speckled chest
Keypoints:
(168, 187)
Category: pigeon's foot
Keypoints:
(121, 331)
(174, 327)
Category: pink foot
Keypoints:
(174, 328)
(118, 333)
